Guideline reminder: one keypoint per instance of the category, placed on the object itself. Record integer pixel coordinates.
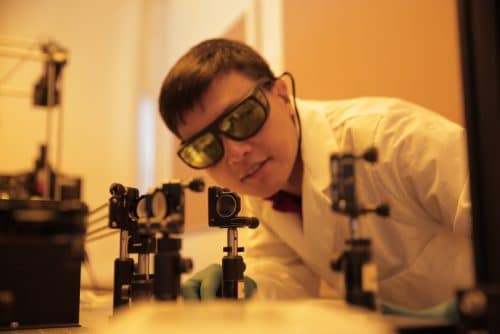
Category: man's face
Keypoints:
(262, 164)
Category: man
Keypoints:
(237, 121)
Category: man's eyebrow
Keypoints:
(232, 105)
(249, 93)
(225, 111)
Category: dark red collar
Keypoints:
(286, 202)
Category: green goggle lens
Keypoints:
(204, 151)
(245, 121)
(241, 123)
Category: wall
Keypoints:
(347, 48)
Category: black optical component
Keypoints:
(146, 224)
(223, 208)
(162, 208)
(161, 202)
(41, 243)
(122, 206)
(227, 205)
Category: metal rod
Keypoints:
(354, 228)
(14, 92)
(143, 264)
(31, 55)
(48, 126)
(60, 127)
(123, 244)
(12, 42)
(232, 241)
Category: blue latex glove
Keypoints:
(446, 311)
(205, 284)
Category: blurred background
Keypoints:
(119, 51)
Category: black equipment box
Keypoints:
(41, 251)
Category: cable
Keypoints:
(288, 74)
(99, 208)
(99, 229)
(92, 222)
(90, 272)
(95, 238)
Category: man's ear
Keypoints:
(281, 90)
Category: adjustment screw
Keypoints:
(185, 265)
(473, 303)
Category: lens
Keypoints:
(202, 152)
(226, 206)
(159, 204)
(141, 207)
(246, 120)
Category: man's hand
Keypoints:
(204, 285)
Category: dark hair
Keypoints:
(193, 73)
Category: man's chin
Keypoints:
(260, 193)
(254, 190)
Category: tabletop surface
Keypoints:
(296, 316)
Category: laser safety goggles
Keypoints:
(238, 123)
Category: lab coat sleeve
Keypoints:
(278, 270)
(428, 154)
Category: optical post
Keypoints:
(356, 260)
(223, 207)
(146, 226)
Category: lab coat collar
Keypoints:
(317, 144)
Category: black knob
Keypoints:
(185, 265)
(117, 189)
(371, 155)
(253, 222)
(197, 185)
(383, 210)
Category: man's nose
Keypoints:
(234, 150)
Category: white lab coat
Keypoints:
(422, 251)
